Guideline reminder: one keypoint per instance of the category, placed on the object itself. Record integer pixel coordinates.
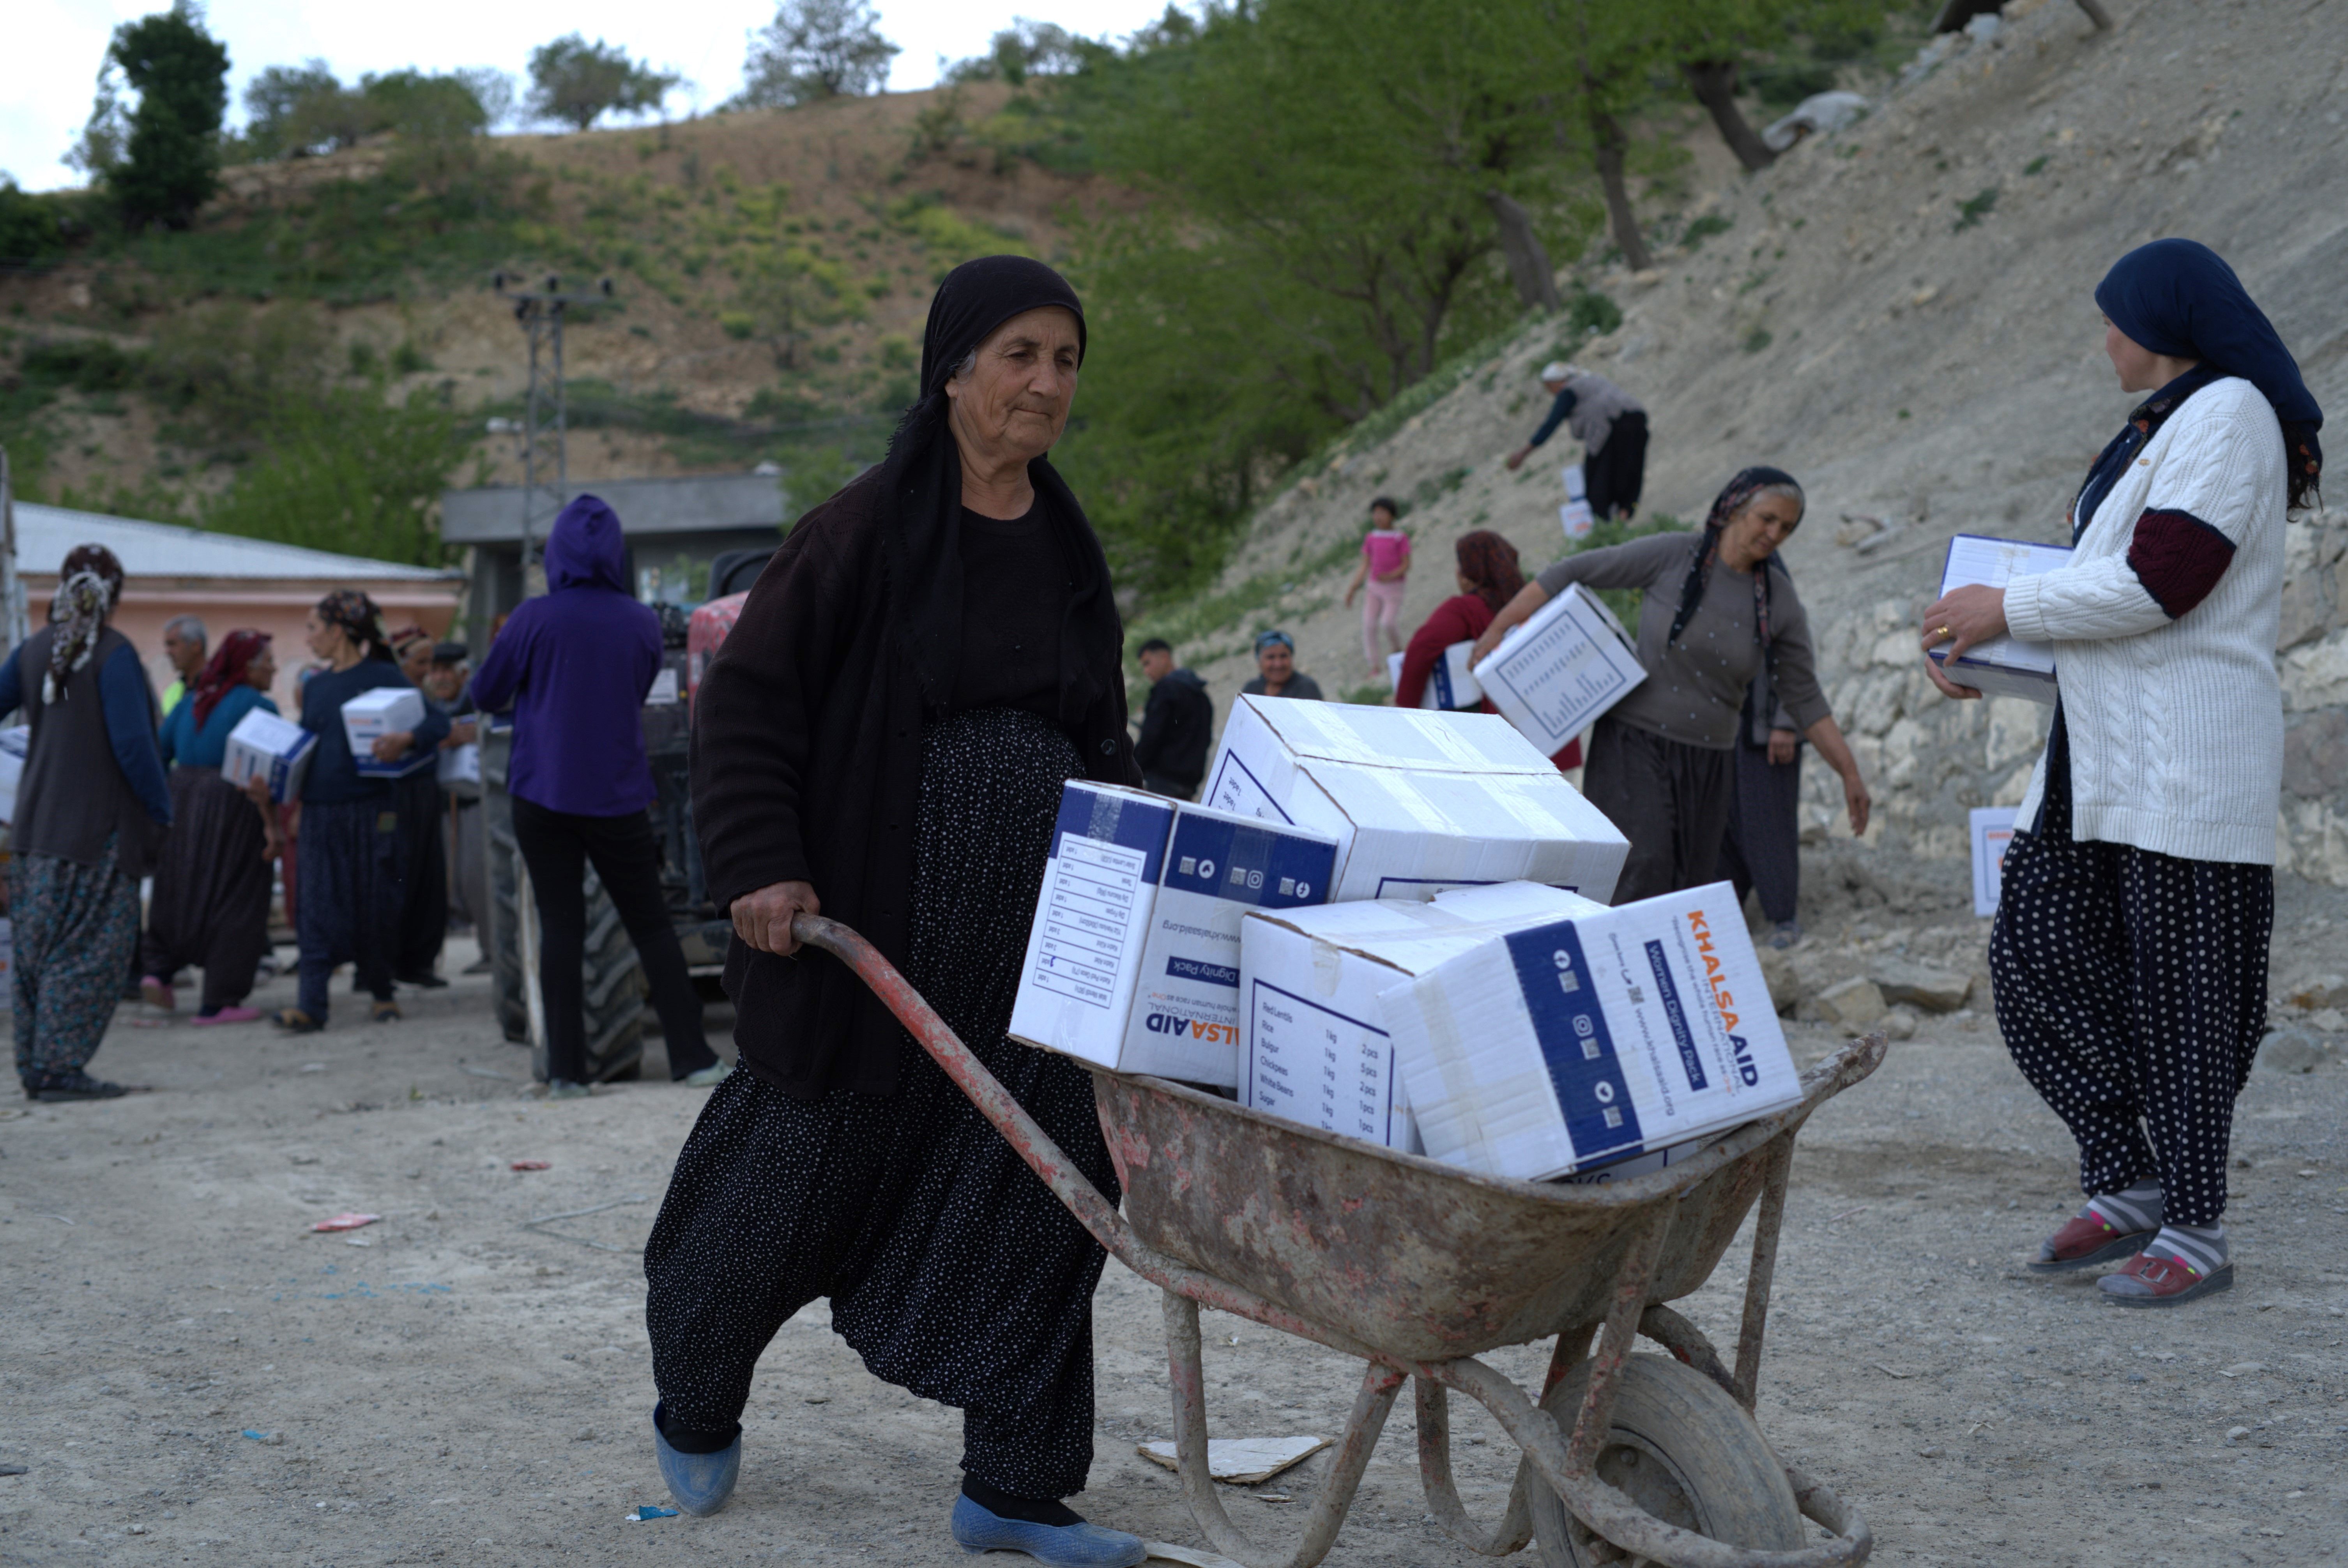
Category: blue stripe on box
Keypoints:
(1245, 863)
(1669, 995)
(1111, 816)
(1203, 973)
(1557, 984)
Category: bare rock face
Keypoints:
(1908, 984)
(1854, 1004)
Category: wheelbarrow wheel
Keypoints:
(1683, 1450)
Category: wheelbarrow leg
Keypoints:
(1434, 1409)
(1615, 1340)
(1188, 1374)
(1766, 1226)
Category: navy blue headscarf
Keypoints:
(2179, 297)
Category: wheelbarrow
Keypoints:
(1416, 1267)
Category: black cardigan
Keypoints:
(806, 764)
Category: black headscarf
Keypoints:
(2177, 297)
(1740, 491)
(921, 480)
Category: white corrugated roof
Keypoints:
(44, 534)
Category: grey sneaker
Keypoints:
(563, 1089)
(709, 1077)
(1788, 933)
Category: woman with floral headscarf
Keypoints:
(353, 863)
(211, 902)
(91, 808)
(1719, 610)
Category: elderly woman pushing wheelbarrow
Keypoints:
(880, 747)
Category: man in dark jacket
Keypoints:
(574, 666)
(1175, 725)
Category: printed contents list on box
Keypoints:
(1318, 1066)
(1088, 918)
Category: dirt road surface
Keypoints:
(450, 1384)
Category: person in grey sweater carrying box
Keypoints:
(1719, 608)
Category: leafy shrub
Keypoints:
(1592, 315)
(1783, 84)
(348, 470)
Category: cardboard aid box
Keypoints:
(1316, 1048)
(1133, 961)
(1575, 515)
(264, 745)
(1992, 830)
(386, 711)
(1553, 676)
(2003, 666)
(461, 764)
(1419, 801)
(1608, 1034)
(1450, 683)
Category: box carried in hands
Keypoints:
(264, 745)
(1607, 1034)
(461, 764)
(2003, 666)
(1133, 961)
(1419, 801)
(386, 711)
(1317, 1049)
(1450, 683)
(1553, 676)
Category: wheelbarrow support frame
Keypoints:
(1563, 1461)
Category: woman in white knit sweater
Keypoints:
(2129, 954)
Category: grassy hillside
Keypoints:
(770, 273)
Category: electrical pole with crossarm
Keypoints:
(545, 483)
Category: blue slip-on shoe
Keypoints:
(700, 1483)
(978, 1529)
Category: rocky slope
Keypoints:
(1902, 314)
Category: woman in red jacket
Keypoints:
(1488, 577)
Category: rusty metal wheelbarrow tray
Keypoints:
(1414, 1268)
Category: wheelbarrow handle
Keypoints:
(1031, 1142)
(1034, 1146)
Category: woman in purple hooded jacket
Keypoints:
(575, 667)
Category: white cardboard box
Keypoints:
(14, 743)
(1554, 675)
(1992, 830)
(1450, 683)
(1133, 961)
(1317, 1049)
(2003, 666)
(1419, 801)
(385, 711)
(461, 764)
(266, 745)
(1612, 1032)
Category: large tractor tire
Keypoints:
(615, 987)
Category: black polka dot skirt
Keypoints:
(949, 1266)
(2132, 990)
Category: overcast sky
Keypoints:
(55, 48)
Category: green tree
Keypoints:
(348, 470)
(1710, 40)
(788, 291)
(1333, 185)
(171, 161)
(280, 105)
(576, 83)
(815, 49)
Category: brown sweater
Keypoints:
(807, 767)
(1694, 688)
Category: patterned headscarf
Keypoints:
(356, 614)
(89, 584)
(1748, 483)
(227, 670)
(1489, 562)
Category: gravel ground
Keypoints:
(464, 1389)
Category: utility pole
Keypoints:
(545, 483)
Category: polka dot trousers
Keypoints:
(2132, 990)
(949, 1266)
